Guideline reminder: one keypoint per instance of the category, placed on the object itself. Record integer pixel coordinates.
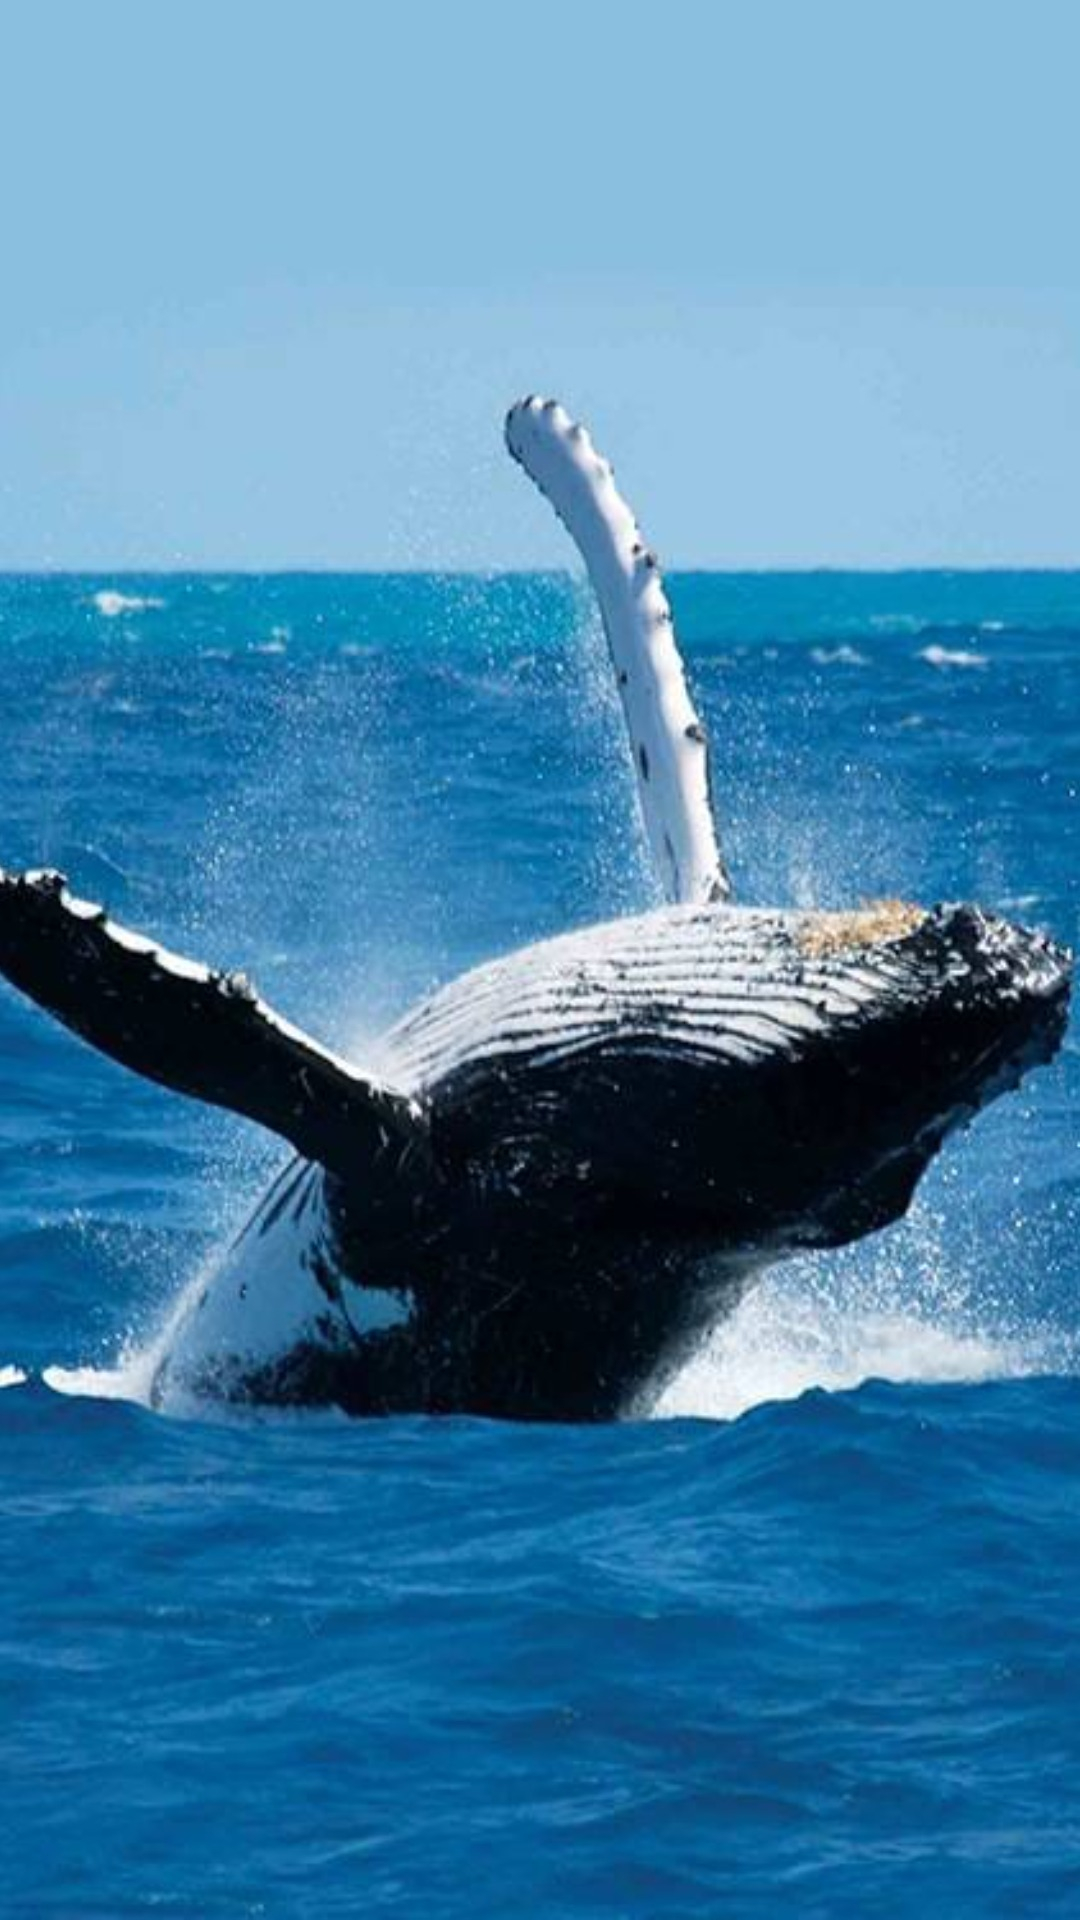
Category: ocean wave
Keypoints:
(893, 623)
(844, 656)
(11, 1377)
(125, 1381)
(111, 603)
(937, 656)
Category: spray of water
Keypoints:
(909, 1305)
(130, 1376)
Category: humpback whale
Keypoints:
(559, 1169)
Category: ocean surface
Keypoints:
(807, 1640)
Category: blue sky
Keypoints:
(273, 273)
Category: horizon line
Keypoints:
(827, 570)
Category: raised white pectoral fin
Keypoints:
(667, 738)
(199, 1032)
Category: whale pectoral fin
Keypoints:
(202, 1033)
(667, 740)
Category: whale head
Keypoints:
(919, 1033)
(758, 1079)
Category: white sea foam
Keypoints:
(936, 656)
(99, 1383)
(780, 1344)
(12, 1377)
(844, 656)
(111, 603)
(131, 1375)
(129, 1382)
(910, 1305)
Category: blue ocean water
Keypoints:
(808, 1639)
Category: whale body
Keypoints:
(571, 1159)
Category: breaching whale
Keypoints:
(571, 1158)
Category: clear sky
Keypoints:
(272, 273)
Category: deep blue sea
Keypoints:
(808, 1641)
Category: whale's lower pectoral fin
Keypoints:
(199, 1032)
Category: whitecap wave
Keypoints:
(936, 656)
(12, 1377)
(112, 603)
(126, 1381)
(844, 656)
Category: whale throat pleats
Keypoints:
(201, 1033)
(667, 740)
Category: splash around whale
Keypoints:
(572, 1159)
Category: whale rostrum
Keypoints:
(572, 1158)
